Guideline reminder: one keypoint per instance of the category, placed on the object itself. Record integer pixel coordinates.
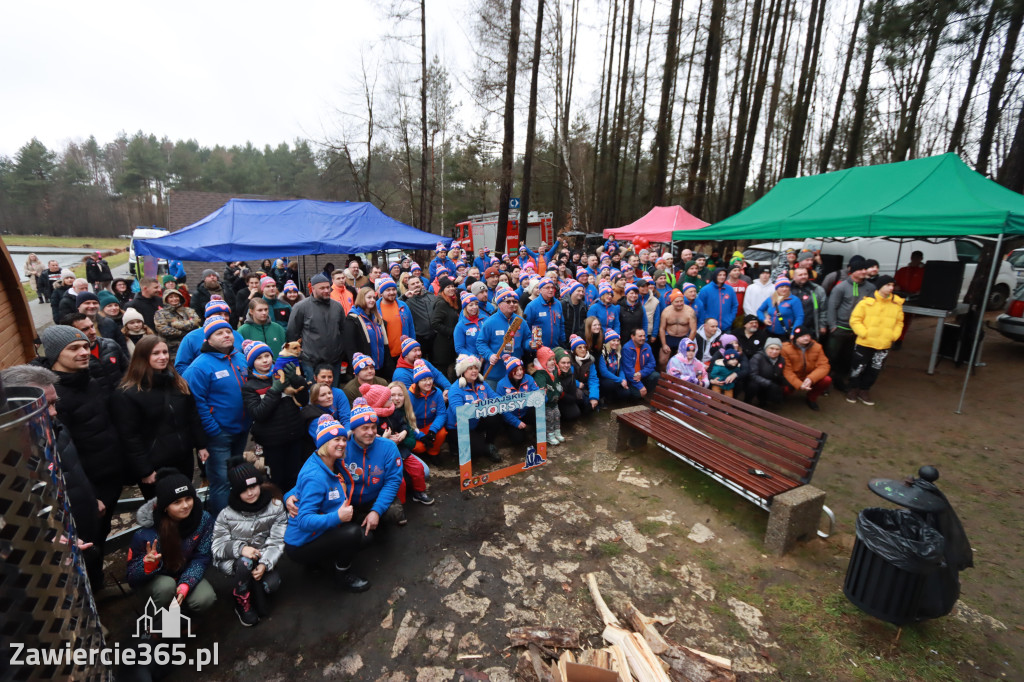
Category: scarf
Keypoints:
(236, 503)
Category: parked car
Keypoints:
(1016, 261)
(1011, 323)
(769, 253)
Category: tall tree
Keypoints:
(712, 63)
(860, 101)
(995, 95)
(531, 123)
(507, 145)
(1011, 173)
(423, 221)
(956, 137)
(830, 138)
(732, 196)
(663, 131)
(612, 191)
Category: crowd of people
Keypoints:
(349, 385)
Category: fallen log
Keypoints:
(543, 672)
(644, 664)
(692, 665)
(562, 638)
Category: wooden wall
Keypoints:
(17, 330)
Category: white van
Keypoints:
(892, 255)
(145, 233)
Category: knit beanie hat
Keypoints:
(420, 371)
(408, 345)
(524, 277)
(207, 272)
(688, 285)
(727, 339)
(385, 282)
(772, 341)
(216, 306)
(659, 272)
(361, 362)
(879, 283)
(462, 363)
(165, 279)
(674, 294)
(267, 281)
(65, 273)
(857, 263)
(440, 248)
(797, 332)
(543, 355)
(492, 271)
(504, 294)
(58, 337)
(511, 362)
(729, 353)
(253, 349)
(465, 298)
(443, 282)
(131, 315)
(318, 278)
(571, 286)
(545, 281)
(171, 485)
(611, 335)
(582, 272)
(560, 353)
(575, 341)
(604, 288)
(361, 414)
(631, 287)
(477, 288)
(782, 281)
(289, 287)
(106, 298)
(415, 267)
(213, 325)
(328, 428)
(379, 398)
(84, 296)
(243, 475)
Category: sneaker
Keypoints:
(851, 395)
(813, 405)
(865, 398)
(559, 436)
(244, 609)
(349, 581)
(552, 440)
(422, 497)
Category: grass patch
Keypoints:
(610, 548)
(651, 527)
(41, 240)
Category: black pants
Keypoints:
(649, 382)
(867, 365)
(486, 432)
(244, 582)
(840, 355)
(768, 394)
(613, 390)
(337, 546)
(285, 460)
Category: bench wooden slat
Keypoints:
(723, 461)
(797, 468)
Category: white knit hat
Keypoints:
(462, 363)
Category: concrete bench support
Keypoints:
(622, 436)
(795, 515)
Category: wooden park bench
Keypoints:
(765, 458)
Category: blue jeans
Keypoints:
(222, 448)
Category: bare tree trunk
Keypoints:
(638, 152)
(956, 137)
(1011, 173)
(677, 156)
(773, 105)
(908, 135)
(564, 76)
(757, 101)
(798, 128)
(711, 67)
(507, 149)
(861, 100)
(423, 115)
(995, 95)
(612, 191)
(531, 125)
(732, 196)
(663, 134)
(830, 139)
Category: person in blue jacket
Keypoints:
(375, 465)
(604, 309)
(585, 373)
(215, 379)
(611, 378)
(516, 380)
(416, 271)
(176, 269)
(638, 365)
(492, 333)
(483, 259)
(431, 413)
(322, 528)
(192, 343)
(718, 300)
(440, 258)
(468, 327)
(590, 294)
(324, 399)
(545, 312)
(780, 311)
(411, 352)
(471, 388)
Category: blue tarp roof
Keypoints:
(251, 229)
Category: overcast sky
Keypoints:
(217, 71)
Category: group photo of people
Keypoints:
(312, 410)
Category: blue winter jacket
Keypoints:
(466, 333)
(477, 392)
(216, 381)
(587, 373)
(321, 492)
(785, 317)
(432, 268)
(376, 473)
(590, 294)
(719, 302)
(525, 386)
(404, 374)
(192, 343)
(488, 342)
(340, 410)
(629, 357)
(196, 550)
(429, 409)
(609, 367)
(405, 315)
(547, 316)
(482, 264)
(608, 314)
(176, 269)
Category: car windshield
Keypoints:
(1016, 259)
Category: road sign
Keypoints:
(513, 203)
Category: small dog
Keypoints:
(289, 355)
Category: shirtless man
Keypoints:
(678, 321)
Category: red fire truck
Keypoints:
(482, 230)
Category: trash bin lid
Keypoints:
(907, 495)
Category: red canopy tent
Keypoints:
(657, 225)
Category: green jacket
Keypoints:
(552, 387)
(270, 333)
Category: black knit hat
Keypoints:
(241, 475)
(171, 485)
(883, 280)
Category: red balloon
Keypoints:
(641, 243)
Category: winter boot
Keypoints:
(244, 608)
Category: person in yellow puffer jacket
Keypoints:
(878, 322)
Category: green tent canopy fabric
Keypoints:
(936, 196)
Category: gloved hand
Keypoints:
(277, 386)
(428, 439)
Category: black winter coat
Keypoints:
(573, 317)
(110, 366)
(203, 295)
(147, 307)
(443, 319)
(110, 329)
(276, 419)
(80, 495)
(631, 318)
(158, 428)
(353, 338)
(83, 407)
(67, 304)
(766, 372)
(56, 296)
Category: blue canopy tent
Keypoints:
(251, 229)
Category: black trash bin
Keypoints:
(892, 558)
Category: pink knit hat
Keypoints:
(379, 398)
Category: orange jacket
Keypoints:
(809, 363)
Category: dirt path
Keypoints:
(447, 587)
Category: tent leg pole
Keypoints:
(981, 320)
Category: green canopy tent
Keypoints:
(937, 196)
